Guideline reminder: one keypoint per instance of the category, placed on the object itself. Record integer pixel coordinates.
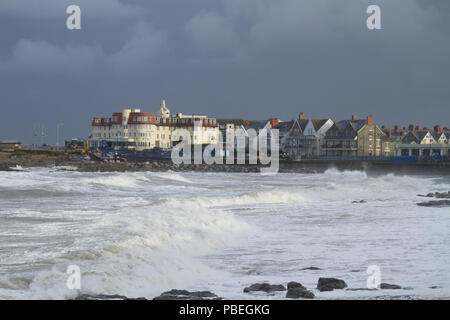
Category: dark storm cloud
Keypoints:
(227, 58)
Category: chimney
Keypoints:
(396, 128)
(411, 127)
(354, 117)
(402, 133)
(437, 129)
(301, 116)
(388, 133)
(247, 123)
(274, 122)
(383, 127)
(417, 128)
(445, 129)
(369, 120)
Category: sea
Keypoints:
(139, 234)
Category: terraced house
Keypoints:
(423, 142)
(351, 138)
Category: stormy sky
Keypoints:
(252, 59)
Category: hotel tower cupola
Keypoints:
(163, 112)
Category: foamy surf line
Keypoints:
(251, 198)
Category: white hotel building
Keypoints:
(138, 130)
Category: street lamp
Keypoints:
(57, 133)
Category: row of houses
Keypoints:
(323, 137)
(298, 138)
(422, 142)
(314, 138)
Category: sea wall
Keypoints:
(91, 164)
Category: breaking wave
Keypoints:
(116, 180)
(251, 198)
(152, 250)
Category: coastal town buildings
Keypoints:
(300, 138)
(313, 136)
(388, 145)
(289, 135)
(138, 130)
(341, 138)
(230, 126)
(303, 137)
(424, 142)
(351, 138)
(9, 145)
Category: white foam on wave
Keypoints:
(117, 180)
(169, 175)
(333, 172)
(142, 247)
(245, 199)
(154, 250)
(17, 168)
(357, 185)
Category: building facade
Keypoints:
(351, 138)
(133, 129)
(313, 136)
(424, 143)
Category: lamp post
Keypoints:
(57, 133)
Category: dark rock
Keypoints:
(311, 268)
(329, 284)
(436, 203)
(361, 201)
(299, 292)
(265, 287)
(389, 286)
(439, 195)
(293, 284)
(442, 195)
(435, 287)
(176, 294)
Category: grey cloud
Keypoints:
(144, 44)
(42, 56)
(43, 9)
(210, 31)
(227, 58)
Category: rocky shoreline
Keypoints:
(293, 289)
(436, 203)
(87, 163)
